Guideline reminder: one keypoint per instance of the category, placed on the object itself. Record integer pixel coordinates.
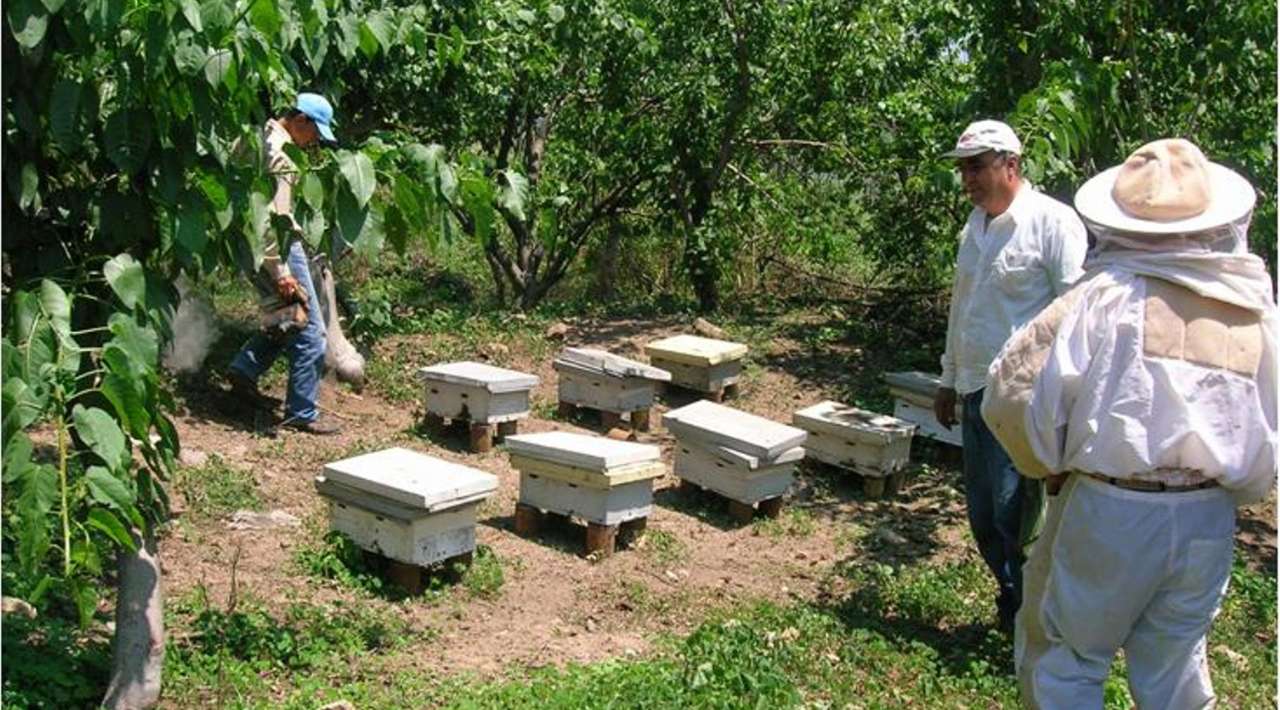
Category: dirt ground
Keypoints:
(557, 606)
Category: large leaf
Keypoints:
(29, 21)
(23, 404)
(122, 392)
(351, 217)
(97, 429)
(126, 279)
(313, 191)
(512, 193)
(138, 342)
(217, 68)
(107, 522)
(359, 173)
(128, 138)
(410, 204)
(17, 457)
(191, 11)
(192, 230)
(30, 187)
(477, 198)
(55, 305)
(64, 113)
(107, 489)
(369, 243)
(266, 17)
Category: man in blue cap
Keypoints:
(293, 322)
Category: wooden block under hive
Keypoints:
(607, 483)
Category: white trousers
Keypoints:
(1115, 568)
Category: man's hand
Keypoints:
(289, 291)
(944, 406)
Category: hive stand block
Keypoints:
(601, 539)
(434, 424)
(528, 520)
(481, 437)
(873, 487)
(566, 410)
(772, 507)
(741, 512)
(506, 429)
(631, 530)
(642, 419)
(610, 420)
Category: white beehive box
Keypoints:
(600, 480)
(406, 506)
(709, 423)
(869, 443)
(607, 382)
(735, 475)
(700, 364)
(741, 456)
(913, 394)
(481, 393)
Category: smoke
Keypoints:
(194, 331)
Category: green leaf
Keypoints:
(380, 29)
(138, 342)
(259, 218)
(266, 17)
(313, 191)
(358, 171)
(513, 192)
(120, 390)
(556, 13)
(39, 489)
(406, 195)
(189, 58)
(217, 66)
(314, 227)
(477, 198)
(126, 278)
(191, 11)
(216, 15)
(351, 217)
(55, 305)
(64, 113)
(53, 5)
(128, 138)
(85, 595)
(23, 404)
(17, 457)
(107, 522)
(30, 186)
(192, 232)
(106, 489)
(29, 22)
(369, 244)
(97, 429)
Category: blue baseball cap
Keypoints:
(319, 110)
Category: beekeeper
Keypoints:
(1147, 393)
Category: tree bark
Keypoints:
(607, 273)
(138, 648)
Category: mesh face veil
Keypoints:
(1231, 238)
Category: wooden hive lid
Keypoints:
(696, 350)
(412, 478)
(922, 383)
(753, 435)
(592, 361)
(851, 423)
(596, 453)
(477, 374)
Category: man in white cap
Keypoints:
(1147, 394)
(286, 285)
(1019, 250)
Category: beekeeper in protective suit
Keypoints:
(1146, 396)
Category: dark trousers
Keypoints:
(996, 496)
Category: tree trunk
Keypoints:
(607, 272)
(138, 648)
(704, 272)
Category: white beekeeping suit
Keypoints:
(1153, 383)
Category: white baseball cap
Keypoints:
(982, 136)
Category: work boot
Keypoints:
(317, 426)
(246, 391)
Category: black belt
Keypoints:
(1131, 484)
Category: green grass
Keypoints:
(794, 522)
(217, 489)
(484, 578)
(663, 547)
(235, 657)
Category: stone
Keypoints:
(556, 331)
(704, 327)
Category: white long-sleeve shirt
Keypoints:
(1008, 269)
(1158, 366)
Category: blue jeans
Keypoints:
(996, 496)
(305, 349)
